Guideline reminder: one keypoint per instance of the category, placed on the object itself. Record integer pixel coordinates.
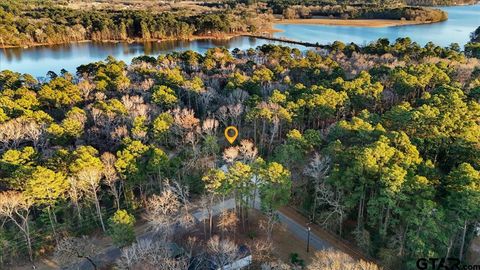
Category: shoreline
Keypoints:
(371, 23)
(140, 40)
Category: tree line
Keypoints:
(377, 143)
(472, 48)
(23, 25)
(285, 3)
(393, 10)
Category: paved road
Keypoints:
(217, 209)
(300, 230)
(294, 227)
(110, 255)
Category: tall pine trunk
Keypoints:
(52, 223)
(460, 256)
(99, 210)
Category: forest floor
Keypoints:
(328, 239)
(355, 23)
(289, 237)
(284, 242)
(473, 253)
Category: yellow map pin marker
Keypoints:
(228, 131)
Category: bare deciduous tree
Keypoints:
(228, 222)
(111, 176)
(18, 130)
(35, 132)
(16, 207)
(222, 252)
(146, 84)
(89, 181)
(231, 114)
(186, 127)
(209, 126)
(245, 152)
(167, 209)
(75, 192)
(161, 210)
(86, 87)
(336, 260)
(268, 223)
(206, 97)
(325, 195)
(262, 250)
(135, 106)
(147, 254)
(185, 119)
(230, 154)
(206, 205)
(248, 151)
(119, 133)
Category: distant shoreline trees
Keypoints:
(29, 24)
(22, 25)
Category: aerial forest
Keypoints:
(379, 144)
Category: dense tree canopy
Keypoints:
(378, 143)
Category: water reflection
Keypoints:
(39, 60)
(462, 20)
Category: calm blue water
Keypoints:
(39, 60)
(462, 20)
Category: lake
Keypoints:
(39, 60)
(462, 20)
